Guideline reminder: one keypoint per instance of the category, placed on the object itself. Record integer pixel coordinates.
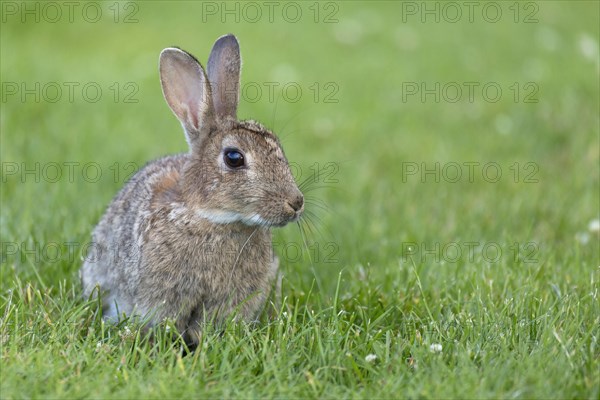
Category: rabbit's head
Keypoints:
(236, 170)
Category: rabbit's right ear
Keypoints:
(223, 68)
(187, 92)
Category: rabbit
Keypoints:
(188, 237)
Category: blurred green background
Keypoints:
(353, 62)
(378, 83)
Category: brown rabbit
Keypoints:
(188, 237)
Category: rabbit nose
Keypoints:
(297, 202)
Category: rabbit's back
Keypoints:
(115, 253)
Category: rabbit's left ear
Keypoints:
(187, 92)
(223, 69)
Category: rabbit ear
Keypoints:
(187, 92)
(223, 66)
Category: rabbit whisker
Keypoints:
(312, 265)
(320, 204)
(303, 236)
(309, 219)
(240, 253)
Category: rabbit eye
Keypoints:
(233, 158)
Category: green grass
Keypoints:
(362, 315)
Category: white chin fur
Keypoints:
(228, 217)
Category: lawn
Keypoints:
(451, 243)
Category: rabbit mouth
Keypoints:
(294, 216)
(277, 222)
(297, 214)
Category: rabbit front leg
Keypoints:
(274, 276)
(275, 279)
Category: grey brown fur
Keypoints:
(188, 237)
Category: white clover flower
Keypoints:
(370, 358)
(435, 348)
(588, 47)
(582, 237)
